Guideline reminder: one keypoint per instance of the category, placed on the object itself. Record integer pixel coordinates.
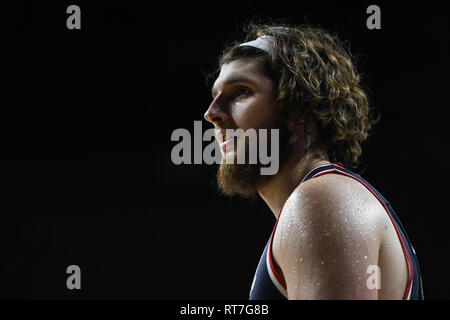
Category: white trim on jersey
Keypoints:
(410, 290)
(272, 276)
(323, 165)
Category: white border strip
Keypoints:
(410, 290)
(272, 276)
(323, 165)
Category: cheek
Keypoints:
(254, 113)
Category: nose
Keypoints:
(215, 113)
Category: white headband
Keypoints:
(264, 43)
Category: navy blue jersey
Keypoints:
(269, 285)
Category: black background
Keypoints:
(86, 118)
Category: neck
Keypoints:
(280, 187)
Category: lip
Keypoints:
(224, 144)
(222, 139)
(221, 136)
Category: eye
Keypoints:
(243, 91)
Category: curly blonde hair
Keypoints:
(315, 79)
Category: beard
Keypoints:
(245, 179)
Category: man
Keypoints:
(335, 236)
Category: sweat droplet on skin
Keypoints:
(294, 271)
(354, 224)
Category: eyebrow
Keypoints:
(234, 79)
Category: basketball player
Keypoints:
(335, 236)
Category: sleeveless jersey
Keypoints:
(269, 285)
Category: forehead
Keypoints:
(241, 70)
(243, 65)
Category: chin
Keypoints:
(238, 180)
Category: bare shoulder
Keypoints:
(334, 198)
(330, 211)
(326, 238)
(329, 232)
